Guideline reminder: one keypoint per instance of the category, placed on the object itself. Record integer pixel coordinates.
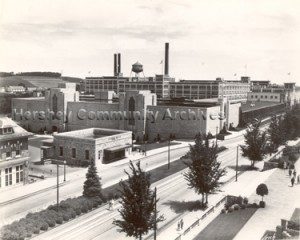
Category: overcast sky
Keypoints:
(208, 38)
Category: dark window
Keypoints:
(8, 154)
(18, 152)
(266, 96)
(61, 151)
(87, 154)
(73, 153)
(131, 111)
(8, 176)
(19, 173)
(54, 103)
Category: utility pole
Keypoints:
(237, 162)
(155, 214)
(65, 170)
(57, 187)
(169, 153)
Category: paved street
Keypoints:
(98, 224)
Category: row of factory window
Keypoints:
(271, 97)
(74, 153)
(8, 174)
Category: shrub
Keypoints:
(245, 200)
(72, 213)
(78, 211)
(262, 204)
(66, 216)
(44, 226)
(236, 207)
(230, 209)
(59, 220)
(254, 205)
(223, 210)
(84, 209)
(239, 200)
(249, 205)
(262, 190)
(36, 231)
(243, 206)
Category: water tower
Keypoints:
(137, 68)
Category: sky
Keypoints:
(208, 38)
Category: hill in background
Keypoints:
(35, 79)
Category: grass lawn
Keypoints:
(156, 175)
(226, 226)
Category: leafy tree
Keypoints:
(204, 170)
(291, 125)
(276, 133)
(256, 143)
(138, 204)
(92, 186)
(262, 190)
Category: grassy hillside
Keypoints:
(36, 81)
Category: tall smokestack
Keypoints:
(167, 59)
(119, 63)
(115, 65)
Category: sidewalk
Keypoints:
(246, 184)
(280, 204)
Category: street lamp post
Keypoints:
(65, 170)
(155, 224)
(169, 153)
(57, 186)
(237, 162)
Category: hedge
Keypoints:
(33, 223)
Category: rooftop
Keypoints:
(17, 131)
(250, 106)
(91, 133)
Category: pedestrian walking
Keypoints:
(292, 181)
(112, 204)
(178, 225)
(290, 172)
(294, 173)
(181, 224)
(298, 179)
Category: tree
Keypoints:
(276, 134)
(204, 170)
(256, 143)
(92, 186)
(262, 190)
(291, 125)
(138, 204)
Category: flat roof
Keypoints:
(91, 133)
(255, 105)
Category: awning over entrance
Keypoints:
(114, 153)
(117, 148)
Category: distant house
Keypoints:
(15, 89)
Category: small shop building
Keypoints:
(81, 147)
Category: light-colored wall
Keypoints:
(82, 144)
(83, 121)
(183, 127)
